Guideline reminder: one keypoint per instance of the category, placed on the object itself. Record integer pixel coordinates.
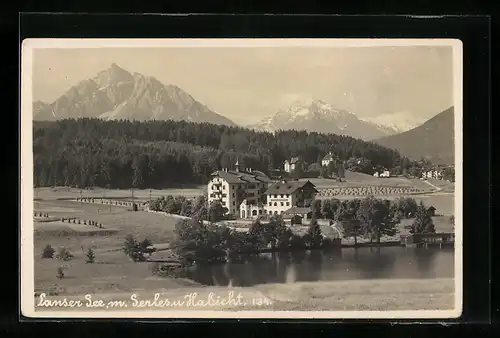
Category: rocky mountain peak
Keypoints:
(315, 115)
(115, 93)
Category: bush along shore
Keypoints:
(198, 242)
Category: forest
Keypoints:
(159, 154)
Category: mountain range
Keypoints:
(114, 93)
(434, 140)
(319, 116)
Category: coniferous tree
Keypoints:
(48, 252)
(314, 234)
(423, 223)
(90, 256)
(160, 154)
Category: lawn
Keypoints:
(111, 272)
(114, 272)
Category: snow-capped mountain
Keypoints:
(400, 122)
(319, 116)
(114, 93)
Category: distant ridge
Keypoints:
(433, 140)
(114, 93)
(319, 116)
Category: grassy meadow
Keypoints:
(114, 274)
(356, 295)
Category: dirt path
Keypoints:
(437, 189)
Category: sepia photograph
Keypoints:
(241, 178)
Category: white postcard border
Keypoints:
(26, 151)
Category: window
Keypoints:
(287, 204)
(275, 204)
(287, 195)
(282, 196)
(282, 204)
(223, 187)
(233, 187)
(234, 203)
(233, 194)
(270, 203)
(275, 196)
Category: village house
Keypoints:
(283, 195)
(385, 173)
(296, 215)
(328, 159)
(435, 174)
(290, 166)
(232, 188)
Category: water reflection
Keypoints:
(345, 264)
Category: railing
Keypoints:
(426, 239)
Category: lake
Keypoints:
(344, 264)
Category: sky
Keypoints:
(248, 84)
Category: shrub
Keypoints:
(90, 257)
(135, 250)
(60, 272)
(315, 237)
(48, 252)
(64, 254)
(196, 241)
(134, 207)
(166, 270)
(297, 242)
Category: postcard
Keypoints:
(241, 178)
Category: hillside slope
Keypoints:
(433, 140)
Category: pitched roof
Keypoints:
(287, 187)
(293, 160)
(297, 211)
(328, 157)
(230, 176)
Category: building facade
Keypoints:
(283, 195)
(290, 166)
(233, 187)
(328, 159)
